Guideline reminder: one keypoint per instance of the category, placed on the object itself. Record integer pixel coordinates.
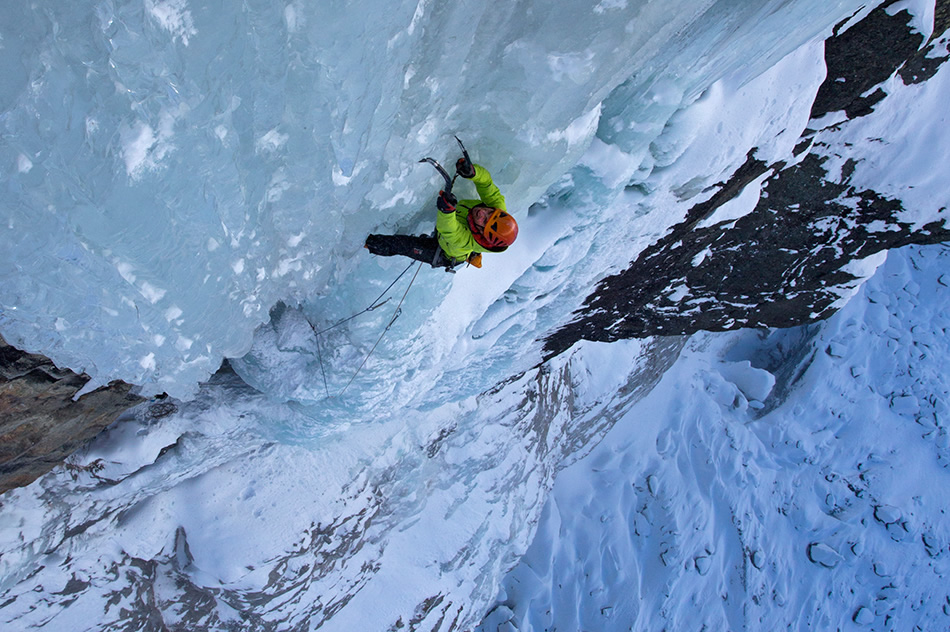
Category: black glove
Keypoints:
(465, 168)
(446, 202)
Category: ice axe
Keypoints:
(449, 180)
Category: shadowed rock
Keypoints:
(40, 424)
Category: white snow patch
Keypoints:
(174, 17)
(580, 130)
(23, 164)
(137, 140)
(699, 258)
(861, 269)
(125, 270)
(755, 384)
(152, 293)
(715, 132)
(271, 142)
(286, 266)
(898, 144)
(144, 147)
(880, 226)
(148, 362)
(609, 163)
(739, 206)
(677, 293)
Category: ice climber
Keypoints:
(463, 230)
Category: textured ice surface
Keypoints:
(172, 170)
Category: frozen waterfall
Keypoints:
(175, 169)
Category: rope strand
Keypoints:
(393, 320)
(322, 370)
(372, 306)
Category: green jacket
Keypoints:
(455, 238)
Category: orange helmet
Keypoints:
(500, 230)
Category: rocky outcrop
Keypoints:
(40, 423)
(784, 263)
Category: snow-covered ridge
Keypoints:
(792, 232)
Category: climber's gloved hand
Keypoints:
(465, 168)
(446, 202)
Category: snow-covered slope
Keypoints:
(784, 480)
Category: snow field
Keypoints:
(736, 498)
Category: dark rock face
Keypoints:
(40, 424)
(860, 59)
(780, 265)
